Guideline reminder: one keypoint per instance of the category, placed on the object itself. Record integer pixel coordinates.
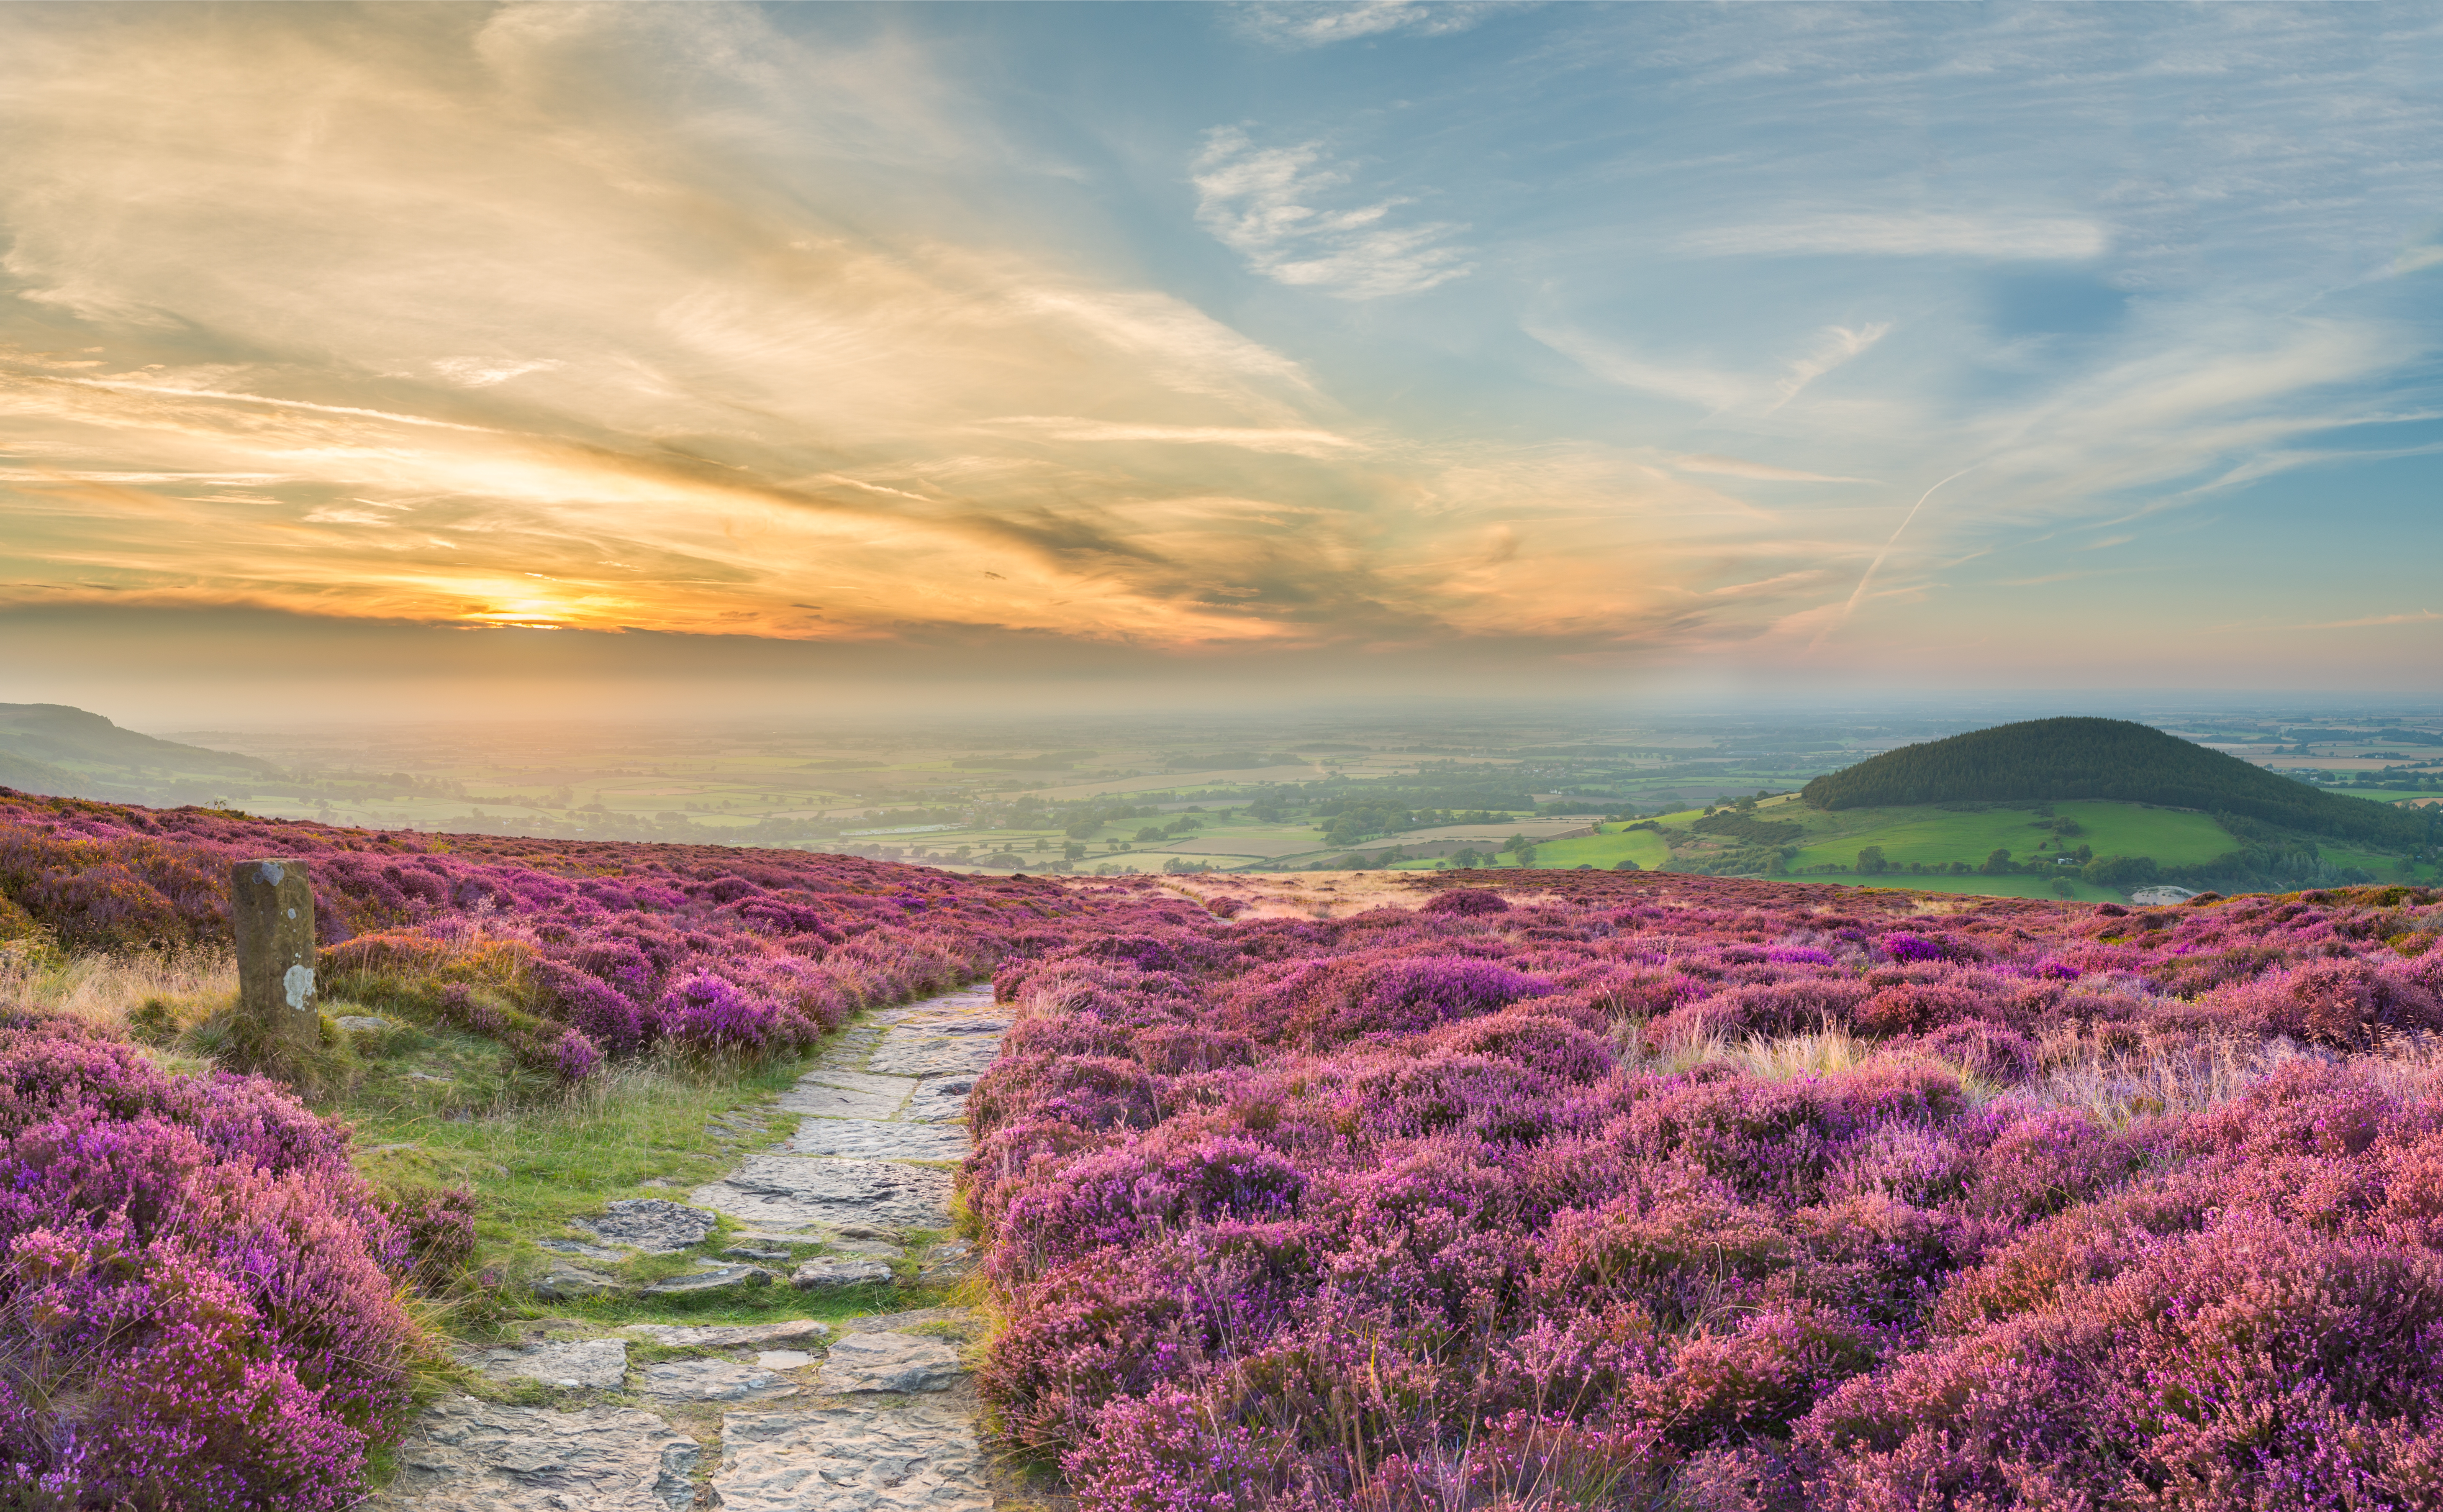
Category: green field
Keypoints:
(2174, 837)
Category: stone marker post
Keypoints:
(271, 910)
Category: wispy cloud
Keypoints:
(1713, 388)
(1321, 25)
(2422, 617)
(1286, 211)
(1993, 238)
(1737, 467)
(1252, 438)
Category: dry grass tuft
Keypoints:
(110, 991)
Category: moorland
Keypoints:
(1516, 1188)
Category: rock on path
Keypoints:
(917, 1457)
(598, 1363)
(472, 1456)
(890, 1362)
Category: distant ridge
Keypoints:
(70, 753)
(2116, 760)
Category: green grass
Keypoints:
(1602, 851)
(437, 1108)
(1930, 836)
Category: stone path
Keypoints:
(875, 1415)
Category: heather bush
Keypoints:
(197, 1295)
(1668, 1192)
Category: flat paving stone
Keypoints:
(717, 1279)
(976, 999)
(784, 1359)
(729, 1335)
(598, 1363)
(831, 1272)
(962, 1318)
(711, 1380)
(871, 1138)
(565, 1281)
(857, 1081)
(821, 1096)
(922, 1052)
(943, 1101)
(994, 1024)
(891, 1362)
(655, 1224)
(472, 1456)
(919, 1457)
(798, 1191)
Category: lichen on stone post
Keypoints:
(272, 912)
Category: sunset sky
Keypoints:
(410, 359)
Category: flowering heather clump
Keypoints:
(1717, 1193)
(197, 1295)
(625, 947)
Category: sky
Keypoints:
(409, 360)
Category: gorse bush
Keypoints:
(1474, 1209)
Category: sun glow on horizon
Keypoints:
(803, 325)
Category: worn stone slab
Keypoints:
(470, 1456)
(562, 1281)
(963, 1318)
(831, 1272)
(772, 1253)
(826, 1100)
(655, 1224)
(922, 1052)
(598, 1363)
(799, 1192)
(719, 1278)
(729, 1335)
(943, 1101)
(976, 999)
(868, 1139)
(857, 1081)
(891, 1362)
(784, 1359)
(710, 1380)
(918, 1457)
(954, 1024)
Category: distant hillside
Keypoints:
(41, 776)
(51, 748)
(2045, 759)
